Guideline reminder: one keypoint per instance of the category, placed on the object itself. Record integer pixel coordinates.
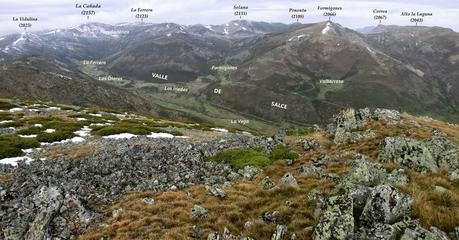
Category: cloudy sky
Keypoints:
(355, 14)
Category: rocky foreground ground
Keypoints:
(368, 175)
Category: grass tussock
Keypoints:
(434, 207)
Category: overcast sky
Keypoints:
(355, 14)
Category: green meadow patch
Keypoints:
(132, 126)
(6, 105)
(11, 145)
(242, 157)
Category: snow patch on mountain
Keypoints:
(327, 28)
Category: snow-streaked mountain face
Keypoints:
(77, 43)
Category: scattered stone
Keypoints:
(311, 144)
(270, 216)
(290, 162)
(248, 224)
(117, 212)
(249, 172)
(439, 188)
(390, 116)
(198, 212)
(289, 180)
(453, 175)
(312, 170)
(215, 190)
(386, 204)
(233, 176)
(280, 233)
(267, 183)
(409, 153)
(356, 137)
(321, 160)
(341, 135)
(148, 201)
(214, 236)
(196, 232)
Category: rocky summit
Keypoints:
(76, 173)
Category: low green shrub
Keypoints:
(11, 145)
(5, 116)
(55, 136)
(124, 127)
(30, 131)
(281, 152)
(6, 105)
(242, 157)
(299, 132)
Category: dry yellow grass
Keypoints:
(7, 177)
(433, 207)
(71, 152)
(169, 216)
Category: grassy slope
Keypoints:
(169, 217)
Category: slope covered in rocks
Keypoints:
(370, 174)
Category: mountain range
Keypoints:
(268, 74)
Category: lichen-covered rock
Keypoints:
(280, 233)
(352, 119)
(249, 172)
(317, 196)
(391, 116)
(288, 179)
(271, 216)
(379, 231)
(49, 200)
(421, 233)
(443, 151)
(365, 173)
(337, 222)
(385, 204)
(407, 152)
(311, 144)
(311, 169)
(321, 160)
(214, 236)
(453, 175)
(198, 212)
(397, 176)
(148, 201)
(341, 135)
(267, 183)
(215, 190)
(359, 136)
